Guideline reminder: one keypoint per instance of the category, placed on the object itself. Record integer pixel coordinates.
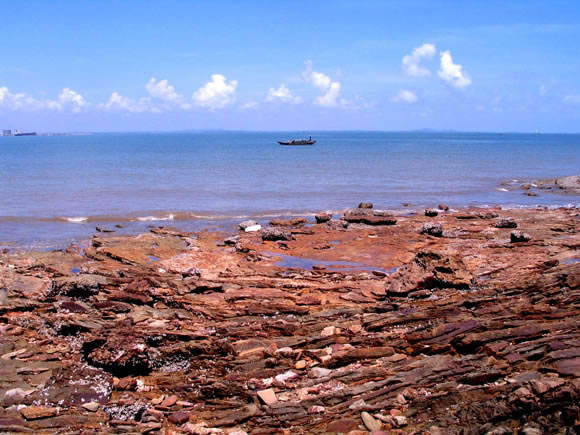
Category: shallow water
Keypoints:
(54, 189)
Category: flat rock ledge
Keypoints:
(334, 328)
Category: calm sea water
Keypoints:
(54, 189)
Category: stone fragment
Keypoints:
(253, 228)
(267, 396)
(328, 331)
(432, 229)
(288, 222)
(91, 406)
(316, 410)
(431, 212)
(300, 365)
(179, 417)
(319, 372)
(365, 205)
(343, 425)
(169, 401)
(507, 222)
(322, 217)
(519, 236)
(275, 234)
(370, 422)
(430, 270)
(246, 224)
(443, 207)
(38, 412)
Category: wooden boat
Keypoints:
(308, 141)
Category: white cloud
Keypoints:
(572, 99)
(18, 101)
(118, 102)
(452, 72)
(163, 91)
(283, 95)
(250, 105)
(405, 96)
(330, 89)
(217, 93)
(68, 99)
(411, 61)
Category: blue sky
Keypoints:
(290, 65)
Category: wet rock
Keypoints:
(288, 222)
(246, 224)
(430, 270)
(487, 215)
(432, 229)
(274, 234)
(519, 236)
(368, 219)
(508, 222)
(322, 217)
(334, 224)
(443, 207)
(365, 205)
(119, 355)
(431, 212)
(80, 286)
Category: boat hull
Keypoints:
(310, 142)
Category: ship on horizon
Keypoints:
(21, 133)
(308, 141)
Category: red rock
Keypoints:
(288, 222)
(179, 417)
(38, 412)
(342, 425)
(268, 396)
(169, 401)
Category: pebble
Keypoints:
(300, 364)
(267, 396)
(91, 406)
(370, 422)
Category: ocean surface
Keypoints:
(56, 189)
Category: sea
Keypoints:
(55, 190)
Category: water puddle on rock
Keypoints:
(570, 261)
(292, 262)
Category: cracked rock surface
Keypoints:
(375, 327)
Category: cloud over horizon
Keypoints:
(330, 89)
(451, 72)
(217, 93)
(67, 99)
(410, 62)
(405, 96)
(283, 95)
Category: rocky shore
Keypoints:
(567, 185)
(449, 322)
